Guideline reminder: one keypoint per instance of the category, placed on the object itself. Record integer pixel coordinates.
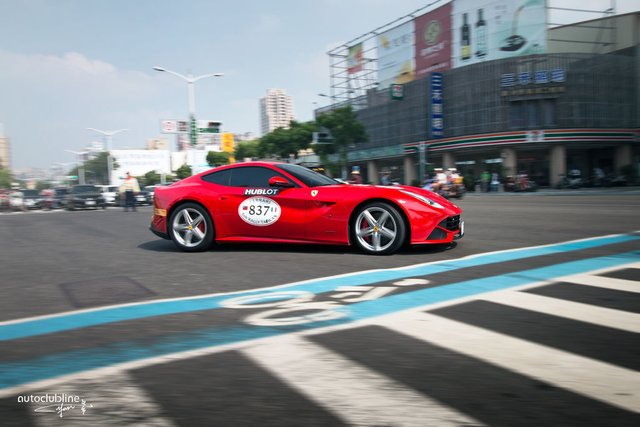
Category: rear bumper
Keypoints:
(159, 233)
(159, 224)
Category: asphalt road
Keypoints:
(186, 363)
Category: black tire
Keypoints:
(184, 220)
(385, 236)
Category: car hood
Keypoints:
(390, 191)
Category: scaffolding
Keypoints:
(356, 86)
(349, 87)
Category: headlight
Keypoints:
(424, 199)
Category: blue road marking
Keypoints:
(55, 365)
(100, 316)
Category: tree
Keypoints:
(217, 158)
(183, 171)
(283, 142)
(5, 178)
(150, 178)
(346, 131)
(247, 149)
(96, 168)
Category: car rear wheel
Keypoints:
(191, 228)
(378, 229)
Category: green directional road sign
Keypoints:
(208, 130)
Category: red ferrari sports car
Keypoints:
(286, 203)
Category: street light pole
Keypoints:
(190, 79)
(79, 164)
(109, 137)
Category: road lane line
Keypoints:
(112, 400)
(605, 282)
(594, 379)
(353, 392)
(571, 310)
(58, 322)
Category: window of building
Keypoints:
(549, 112)
(533, 113)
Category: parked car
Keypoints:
(110, 195)
(16, 201)
(59, 198)
(141, 198)
(4, 200)
(151, 190)
(31, 199)
(84, 197)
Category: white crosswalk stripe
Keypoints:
(570, 310)
(356, 394)
(606, 282)
(112, 400)
(598, 380)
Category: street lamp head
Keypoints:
(159, 69)
(218, 74)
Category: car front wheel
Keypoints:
(378, 229)
(191, 228)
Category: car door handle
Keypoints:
(223, 197)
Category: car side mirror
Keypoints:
(279, 182)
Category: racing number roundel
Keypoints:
(259, 211)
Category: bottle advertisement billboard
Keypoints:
(484, 30)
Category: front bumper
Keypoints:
(447, 230)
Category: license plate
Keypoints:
(90, 202)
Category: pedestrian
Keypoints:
(355, 177)
(386, 179)
(485, 179)
(495, 182)
(128, 190)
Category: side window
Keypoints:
(220, 178)
(252, 176)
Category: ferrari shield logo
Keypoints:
(314, 193)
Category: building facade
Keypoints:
(5, 152)
(276, 111)
(545, 114)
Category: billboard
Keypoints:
(139, 162)
(355, 58)
(433, 41)
(485, 30)
(396, 51)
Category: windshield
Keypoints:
(29, 193)
(307, 176)
(84, 189)
(61, 191)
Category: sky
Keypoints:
(68, 65)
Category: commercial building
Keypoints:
(5, 152)
(574, 106)
(276, 110)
